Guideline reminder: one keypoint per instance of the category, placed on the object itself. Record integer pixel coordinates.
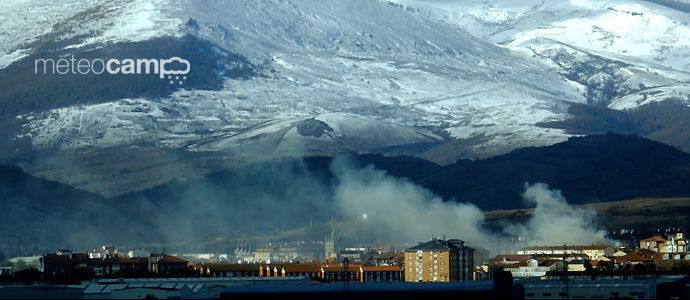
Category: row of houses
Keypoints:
(434, 261)
(327, 272)
(310, 252)
(65, 264)
(591, 251)
(538, 261)
(79, 265)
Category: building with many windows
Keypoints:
(439, 261)
(593, 252)
(327, 272)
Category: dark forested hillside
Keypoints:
(289, 192)
(587, 169)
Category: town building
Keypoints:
(168, 265)
(533, 268)
(439, 261)
(667, 261)
(119, 266)
(102, 252)
(676, 243)
(381, 273)
(263, 255)
(286, 254)
(353, 256)
(593, 252)
(138, 253)
(655, 243)
(387, 259)
(508, 259)
(64, 263)
(621, 252)
(321, 272)
(641, 256)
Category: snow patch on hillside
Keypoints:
(680, 94)
(646, 30)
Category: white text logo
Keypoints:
(174, 69)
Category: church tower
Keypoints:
(329, 245)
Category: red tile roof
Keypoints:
(553, 248)
(169, 259)
(381, 268)
(510, 257)
(655, 238)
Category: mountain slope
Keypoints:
(442, 80)
(368, 59)
(37, 212)
(626, 67)
(584, 39)
(587, 169)
(591, 169)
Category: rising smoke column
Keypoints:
(400, 211)
(555, 222)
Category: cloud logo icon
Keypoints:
(174, 66)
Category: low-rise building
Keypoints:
(119, 266)
(594, 252)
(387, 259)
(286, 254)
(641, 256)
(168, 265)
(533, 268)
(102, 252)
(381, 273)
(320, 272)
(655, 243)
(64, 263)
(353, 256)
(508, 259)
(138, 253)
(667, 261)
(263, 255)
(620, 252)
(676, 243)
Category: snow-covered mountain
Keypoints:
(439, 78)
(363, 58)
(612, 47)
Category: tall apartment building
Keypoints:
(439, 261)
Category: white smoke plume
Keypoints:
(555, 222)
(405, 212)
(402, 210)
